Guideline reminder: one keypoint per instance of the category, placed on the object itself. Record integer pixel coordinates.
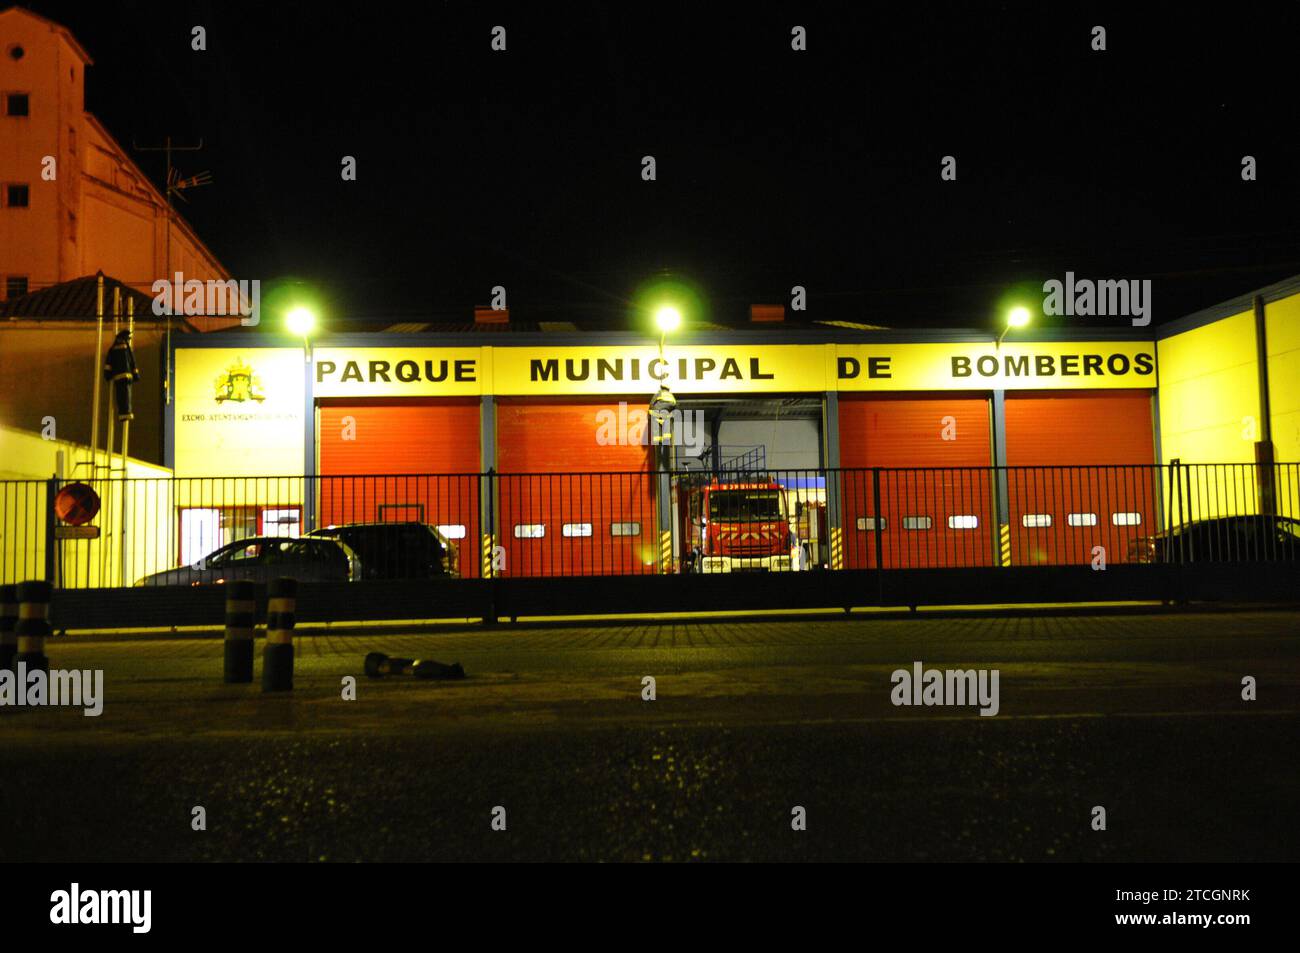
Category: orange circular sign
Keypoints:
(76, 504)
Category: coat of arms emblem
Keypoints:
(239, 384)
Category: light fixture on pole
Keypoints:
(1017, 317)
(667, 319)
(301, 322)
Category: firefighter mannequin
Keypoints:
(121, 372)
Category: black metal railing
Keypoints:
(182, 531)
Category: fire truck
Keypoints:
(741, 525)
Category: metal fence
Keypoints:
(202, 530)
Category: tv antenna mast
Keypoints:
(174, 186)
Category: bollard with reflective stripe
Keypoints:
(277, 657)
(241, 622)
(33, 625)
(8, 620)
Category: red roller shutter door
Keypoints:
(556, 473)
(1098, 485)
(398, 460)
(932, 518)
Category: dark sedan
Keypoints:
(263, 558)
(396, 550)
(1227, 539)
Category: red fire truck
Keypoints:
(738, 526)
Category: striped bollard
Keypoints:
(277, 657)
(8, 620)
(241, 622)
(33, 624)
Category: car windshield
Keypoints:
(738, 506)
(239, 552)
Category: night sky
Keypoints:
(775, 168)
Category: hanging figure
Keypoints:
(121, 372)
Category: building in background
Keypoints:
(51, 348)
(73, 204)
(72, 200)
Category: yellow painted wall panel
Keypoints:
(239, 412)
(1282, 319)
(1208, 395)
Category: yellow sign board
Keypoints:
(728, 369)
(239, 411)
(399, 371)
(1041, 366)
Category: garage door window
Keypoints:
(530, 530)
(1082, 519)
(1036, 520)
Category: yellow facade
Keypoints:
(1209, 393)
(1282, 322)
(136, 520)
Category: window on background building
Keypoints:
(17, 104)
(206, 529)
(16, 196)
(15, 286)
(401, 512)
(280, 522)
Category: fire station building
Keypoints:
(942, 448)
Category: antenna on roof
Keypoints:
(174, 185)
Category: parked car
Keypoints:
(396, 550)
(263, 558)
(1226, 539)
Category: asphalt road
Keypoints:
(1139, 714)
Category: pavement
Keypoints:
(1138, 713)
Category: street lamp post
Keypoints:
(668, 319)
(301, 321)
